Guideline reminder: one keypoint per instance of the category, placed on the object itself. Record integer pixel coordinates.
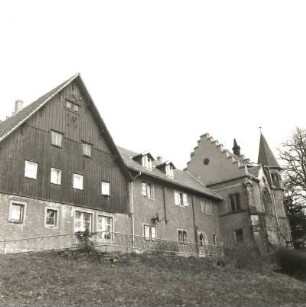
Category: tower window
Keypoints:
(235, 202)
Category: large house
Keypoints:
(61, 173)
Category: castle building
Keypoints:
(61, 173)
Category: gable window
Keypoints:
(207, 207)
(147, 190)
(169, 171)
(16, 214)
(149, 232)
(72, 106)
(30, 169)
(235, 202)
(180, 199)
(51, 218)
(82, 221)
(146, 161)
(182, 236)
(238, 235)
(105, 188)
(105, 227)
(77, 181)
(87, 149)
(56, 176)
(56, 139)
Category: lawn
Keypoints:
(54, 279)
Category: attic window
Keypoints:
(72, 106)
(146, 161)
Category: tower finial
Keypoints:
(236, 148)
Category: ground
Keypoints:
(56, 279)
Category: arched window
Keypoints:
(267, 201)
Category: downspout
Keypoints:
(132, 209)
(195, 227)
(165, 207)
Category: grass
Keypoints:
(51, 279)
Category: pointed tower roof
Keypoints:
(265, 155)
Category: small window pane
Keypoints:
(16, 213)
(56, 176)
(77, 181)
(105, 188)
(87, 149)
(30, 170)
(56, 138)
(51, 217)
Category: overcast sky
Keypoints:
(164, 72)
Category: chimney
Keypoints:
(159, 159)
(18, 106)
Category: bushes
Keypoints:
(291, 261)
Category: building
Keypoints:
(61, 173)
(252, 209)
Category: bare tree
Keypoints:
(293, 154)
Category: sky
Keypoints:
(162, 73)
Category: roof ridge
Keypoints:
(45, 98)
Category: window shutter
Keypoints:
(176, 198)
(144, 189)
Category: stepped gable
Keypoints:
(240, 161)
(181, 179)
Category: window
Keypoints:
(146, 161)
(207, 207)
(149, 232)
(235, 202)
(87, 149)
(72, 106)
(238, 235)
(105, 188)
(30, 170)
(147, 190)
(202, 238)
(272, 236)
(169, 171)
(56, 176)
(16, 214)
(105, 227)
(82, 221)
(214, 239)
(267, 201)
(180, 199)
(56, 138)
(51, 218)
(77, 181)
(182, 236)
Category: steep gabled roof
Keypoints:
(14, 122)
(182, 179)
(265, 155)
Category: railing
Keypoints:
(111, 241)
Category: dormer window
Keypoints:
(146, 161)
(169, 170)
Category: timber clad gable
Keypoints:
(34, 141)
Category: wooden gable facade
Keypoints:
(72, 114)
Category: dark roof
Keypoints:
(265, 155)
(182, 179)
(161, 164)
(13, 122)
(254, 170)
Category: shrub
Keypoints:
(291, 261)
